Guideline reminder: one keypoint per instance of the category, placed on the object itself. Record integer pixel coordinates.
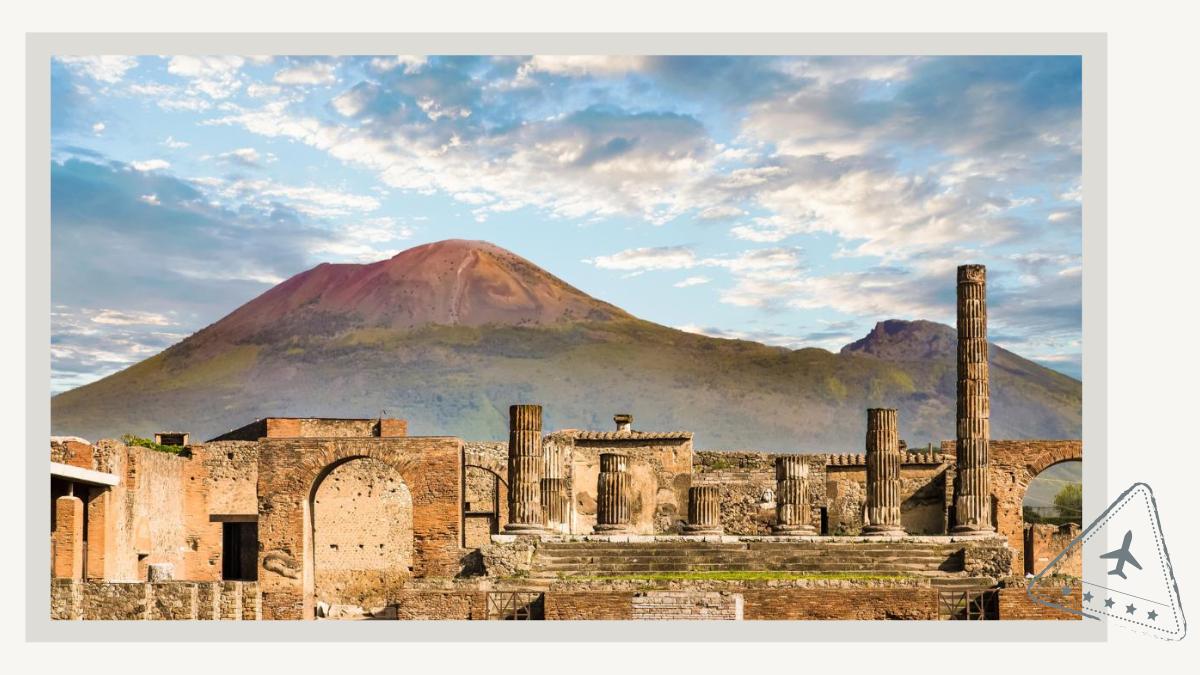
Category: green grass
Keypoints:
(746, 576)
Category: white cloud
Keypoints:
(246, 157)
(410, 64)
(583, 64)
(720, 212)
(173, 144)
(151, 199)
(351, 102)
(98, 128)
(310, 74)
(107, 69)
(692, 281)
(151, 165)
(310, 200)
(214, 76)
(645, 259)
(115, 317)
(259, 90)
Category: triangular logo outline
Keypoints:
(1173, 629)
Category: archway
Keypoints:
(1014, 464)
(1052, 516)
(362, 534)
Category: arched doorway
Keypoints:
(362, 534)
(1052, 516)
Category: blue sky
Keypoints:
(794, 201)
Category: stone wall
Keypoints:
(1043, 542)
(485, 490)
(660, 473)
(362, 534)
(687, 605)
(922, 497)
(1016, 604)
(166, 601)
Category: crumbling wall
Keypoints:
(746, 483)
(660, 473)
(922, 495)
(166, 601)
(1045, 541)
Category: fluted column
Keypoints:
(792, 510)
(554, 486)
(525, 463)
(883, 474)
(972, 494)
(612, 494)
(704, 511)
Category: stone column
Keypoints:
(704, 511)
(972, 494)
(554, 485)
(883, 474)
(793, 513)
(524, 470)
(612, 494)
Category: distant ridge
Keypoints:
(448, 334)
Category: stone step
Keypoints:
(718, 559)
(736, 567)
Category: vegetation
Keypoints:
(130, 439)
(1069, 501)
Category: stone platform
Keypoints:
(590, 556)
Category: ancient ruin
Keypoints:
(319, 518)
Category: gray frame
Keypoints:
(40, 47)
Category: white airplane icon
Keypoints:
(1122, 556)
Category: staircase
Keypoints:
(601, 558)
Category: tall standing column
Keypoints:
(792, 510)
(524, 469)
(972, 495)
(883, 474)
(612, 494)
(704, 511)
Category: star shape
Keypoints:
(1087, 597)
(1152, 615)
(1108, 602)
(1130, 609)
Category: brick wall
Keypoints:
(1045, 541)
(455, 605)
(1015, 604)
(362, 534)
(589, 605)
(287, 471)
(840, 603)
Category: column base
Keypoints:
(612, 529)
(972, 531)
(797, 530)
(883, 531)
(524, 528)
(703, 531)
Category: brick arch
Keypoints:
(1014, 465)
(290, 471)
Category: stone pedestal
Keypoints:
(972, 493)
(704, 511)
(883, 474)
(525, 463)
(612, 495)
(792, 510)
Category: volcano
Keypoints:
(448, 334)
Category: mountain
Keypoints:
(447, 335)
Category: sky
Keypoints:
(794, 201)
